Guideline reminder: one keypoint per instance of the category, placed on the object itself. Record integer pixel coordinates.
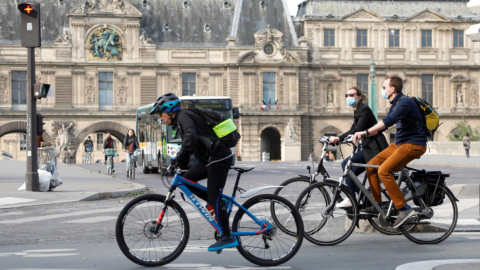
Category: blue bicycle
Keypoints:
(153, 230)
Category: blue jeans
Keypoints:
(357, 158)
(467, 152)
(129, 159)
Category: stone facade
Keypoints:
(232, 56)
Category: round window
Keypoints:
(268, 49)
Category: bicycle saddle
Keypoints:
(243, 169)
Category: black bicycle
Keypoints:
(435, 207)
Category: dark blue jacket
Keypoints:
(407, 131)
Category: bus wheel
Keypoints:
(145, 168)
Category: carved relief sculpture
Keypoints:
(205, 91)
(122, 90)
(105, 44)
(173, 85)
(90, 90)
(3, 89)
(64, 39)
(291, 132)
(473, 94)
(329, 94)
(144, 40)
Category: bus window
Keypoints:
(173, 136)
(141, 124)
(157, 129)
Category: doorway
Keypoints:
(270, 143)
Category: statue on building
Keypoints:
(63, 137)
(291, 132)
(64, 39)
(459, 95)
(144, 40)
(268, 31)
(106, 43)
(329, 95)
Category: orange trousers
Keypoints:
(391, 160)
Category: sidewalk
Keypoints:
(449, 161)
(78, 185)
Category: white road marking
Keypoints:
(48, 250)
(92, 220)
(41, 253)
(429, 265)
(12, 214)
(468, 222)
(48, 217)
(13, 200)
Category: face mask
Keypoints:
(384, 93)
(351, 101)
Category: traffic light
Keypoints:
(41, 90)
(30, 13)
(40, 124)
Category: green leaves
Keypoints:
(462, 128)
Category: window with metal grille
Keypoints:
(426, 38)
(19, 87)
(458, 38)
(394, 38)
(427, 88)
(188, 84)
(362, 83)
(105, 90)
(329, 37)
(362, 35)
(269, 88)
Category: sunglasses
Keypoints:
(350, 95)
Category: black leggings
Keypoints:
(217, 177)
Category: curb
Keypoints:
(444, 164)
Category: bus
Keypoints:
(159, 142)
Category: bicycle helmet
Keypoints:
(168, 103)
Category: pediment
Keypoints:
(112, 7)
(459, 78)
(363, 14)
(427, 15)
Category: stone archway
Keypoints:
(270, 142)
(116, 129)
(20, 127)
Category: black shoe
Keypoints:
(224, 242)
(369, 211)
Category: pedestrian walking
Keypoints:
(130, 144)
(466, 144)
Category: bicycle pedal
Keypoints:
(219, 251)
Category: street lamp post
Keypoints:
(372, 91)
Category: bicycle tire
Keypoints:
(291, 194)
(345, 219)
(425, 230)
(129, 210)
(250, 253)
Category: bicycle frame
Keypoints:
(183, 184)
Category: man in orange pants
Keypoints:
(410, 143)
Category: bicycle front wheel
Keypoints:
(271, 247)
(326, 225)
(436, 223)
(135, 236)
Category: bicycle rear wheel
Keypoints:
(292, 188)
(434, 224)
(323, 226)
(272, 247)
(383, 226)
(134, 234)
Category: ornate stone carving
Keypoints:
(64, 39)
(329, 95)
(174, 85)
(122, 90)
(144, 40)
(3, 89)
(106, 6)
(216, 73)
(47, 71)
(459, 78)
(472, 94)
(288, 57)
(163, 72)
(459, 95)
(90, 90)
(250, 72)
(247, 58)
(268, 35)
(105, 44)
(291, 132)
(205, 88)
(134, 73)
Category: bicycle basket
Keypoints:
(110, 152)
(433, 182)
(89, 149)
